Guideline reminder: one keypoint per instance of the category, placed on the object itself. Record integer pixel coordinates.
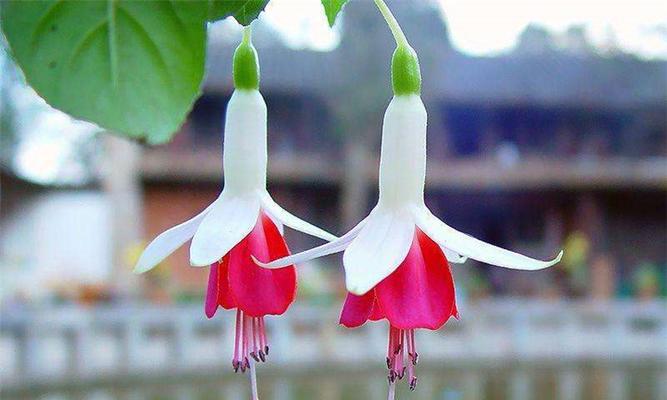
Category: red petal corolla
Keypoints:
(357, 309)
(225, 298)
(212, 290)
(419, 294)
(238, 282)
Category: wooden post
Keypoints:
(354, 183)
(617, 385)
(520, 385)
(569, 384)
(473, 386)
(121, 182)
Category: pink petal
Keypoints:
(357, 309)
(420, 293)
(211, 302)
(260, 291)
(377, 313)
(225, 298)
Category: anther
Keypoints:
(401, 374)
(262, 356)
(266, 350)
(254, 356)
(388, 363)
(413, 383)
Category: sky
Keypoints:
(487, 27)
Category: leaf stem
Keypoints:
(395, 28)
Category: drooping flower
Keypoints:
(243, 221)
(397, 259)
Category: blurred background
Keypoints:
(547, 130)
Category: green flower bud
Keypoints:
(246, 64)
(405, 74)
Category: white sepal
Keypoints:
(276, 222)
(292, 221)
(476, 249)
(223, 227)
(453, 257)
(378, 250)
(168, 241)
(332, 247)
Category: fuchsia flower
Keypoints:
(397, 259)
(243, 221)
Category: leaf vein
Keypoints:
(43, 20)
(76, 50)
(148, 40)
(113, 48)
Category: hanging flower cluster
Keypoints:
(243, 221)
(396, 259)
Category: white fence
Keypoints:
(78, 345)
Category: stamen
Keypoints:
(400, 370)
(413, 383)
(413, 348)
(390, 348)
(401, 356)
(249, 338)
(412, 379)
(256, 338)
(237, 342)
(262, 331)
(246, 334)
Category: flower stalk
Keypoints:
(405, 71)
(395, 28)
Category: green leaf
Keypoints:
(332, 8)
(133, 67)
(244, 11)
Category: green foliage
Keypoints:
(244, 11)
(133, 67)
(332, 8)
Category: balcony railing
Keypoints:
(61, 347)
